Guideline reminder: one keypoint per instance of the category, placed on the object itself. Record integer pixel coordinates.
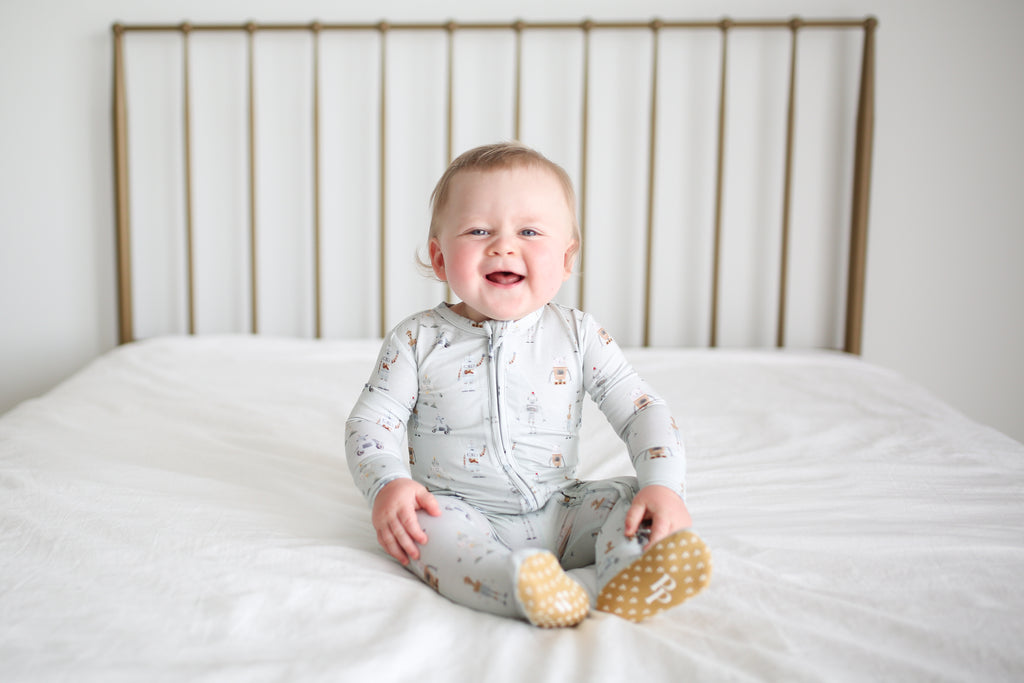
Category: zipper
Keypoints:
(499, 422)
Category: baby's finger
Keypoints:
(660, 528)
(411, 526)
(634, 516)
(407, 544)
(388, 542)
(428, 503)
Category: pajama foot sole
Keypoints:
(548, 596)
(670, 572)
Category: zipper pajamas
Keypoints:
(486, 416)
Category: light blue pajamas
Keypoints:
(479, 554)
(491, 413)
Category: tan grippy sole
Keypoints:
(671, 571)
(548, 596)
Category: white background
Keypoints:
(944, 299)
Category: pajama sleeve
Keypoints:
(375, 430)
(636, 413)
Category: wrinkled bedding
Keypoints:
(181, 510)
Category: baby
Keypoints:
(488, 393)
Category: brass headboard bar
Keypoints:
(253, 260)
(511, 25)
(125, 324)
(189, 213)
(449, 132)
(861, 193)
(317, 275)
(716, 257)
(518, 102)
(862, 152)
(655, 27)
(584, 138)
(383, 27)
(450, 114)
(787, 188)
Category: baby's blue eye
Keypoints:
(528, 232)
(477, 231)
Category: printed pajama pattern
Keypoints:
(474, 559)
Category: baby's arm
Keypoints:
(374, 445)
(663, 507)
(394, 517)
(644, 422)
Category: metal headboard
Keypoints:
(854, 305)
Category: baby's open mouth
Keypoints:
(504, 277)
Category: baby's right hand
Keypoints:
(394, 517)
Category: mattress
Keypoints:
(181, 510)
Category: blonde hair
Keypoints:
(501, 155)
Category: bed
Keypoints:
(180, 509)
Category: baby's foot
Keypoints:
(670, 571)
(547, 594)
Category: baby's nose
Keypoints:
(501, 245)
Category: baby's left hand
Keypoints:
(663, 507)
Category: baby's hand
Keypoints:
(663, 507)
(394, 517)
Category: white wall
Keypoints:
(944, 303)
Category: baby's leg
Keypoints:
(630, 582)
(594, 523)
(464, 561)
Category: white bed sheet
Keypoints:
(181, 510)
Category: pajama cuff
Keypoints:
(371, 494)
(678, 486)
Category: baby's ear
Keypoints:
(570, 259)
(437, 259)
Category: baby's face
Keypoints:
(505, 245)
